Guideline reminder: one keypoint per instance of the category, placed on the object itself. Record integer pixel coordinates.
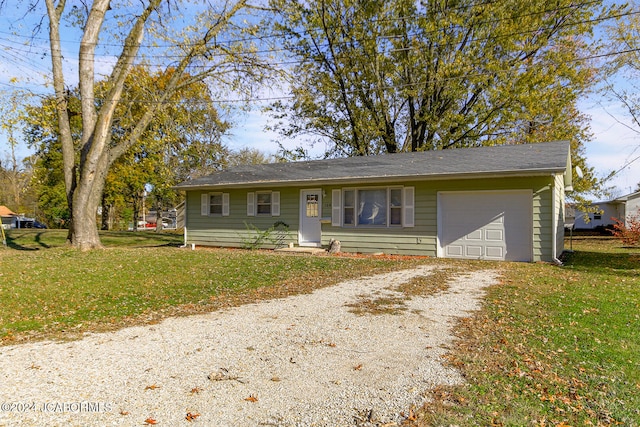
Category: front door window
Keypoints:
(312, 205)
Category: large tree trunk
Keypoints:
(86, 199)
(84, 231)
(85, 181)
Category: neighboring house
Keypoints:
(498, 203)
(13, 220)
(621, 208)
(631, 206)
(7, 217)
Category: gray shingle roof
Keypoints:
(505, 160)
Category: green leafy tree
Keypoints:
(375, 77)
(15, 173)
(181, 141)
(205, 43)
(188, 124)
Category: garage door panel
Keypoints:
(454, 251)
(494, 235)
(473, 251)
(498, 221)
(474, 235)
(495, 252)
(486, 225)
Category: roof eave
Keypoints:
(375, 179)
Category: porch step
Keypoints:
(302, 250)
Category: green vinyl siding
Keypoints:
(421, 239)
(234, 230)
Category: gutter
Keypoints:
(381, 179)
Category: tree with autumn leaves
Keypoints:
(183, 141)
(185, 53)
(376, 77)
(367, 77)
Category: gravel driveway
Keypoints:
(305, 360)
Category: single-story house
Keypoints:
(621, 208)
(495, 202)
(14, 220)
(631, 206)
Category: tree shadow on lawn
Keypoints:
(623, 263)
(140, 239)
(11, 243)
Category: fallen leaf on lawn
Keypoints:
(124, 412)
(357, 368)
(150, 421)
(152, 387)
(196, 390)
(251, 398)
(412, 415)
(190, 417)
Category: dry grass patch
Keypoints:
(392, 300)
(377, 305)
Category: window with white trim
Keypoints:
(349, 207)
(214, 204)
(395, 206)
(263, 203)
(373, 207)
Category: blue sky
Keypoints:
(613, 144)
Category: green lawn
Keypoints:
(50, 290)
(552, 346)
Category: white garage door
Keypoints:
(492, 225)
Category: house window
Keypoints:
(376, 207)
(349, 217)
(372, 207)
(215, 204)
(597, 216)
(263, 203)
(395, 206)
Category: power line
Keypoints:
(34, 67)
(412, 17)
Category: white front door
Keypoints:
(310, 213)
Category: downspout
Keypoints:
(554, 223)
(185, 221)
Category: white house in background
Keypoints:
(631, 204)
(622, 207)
